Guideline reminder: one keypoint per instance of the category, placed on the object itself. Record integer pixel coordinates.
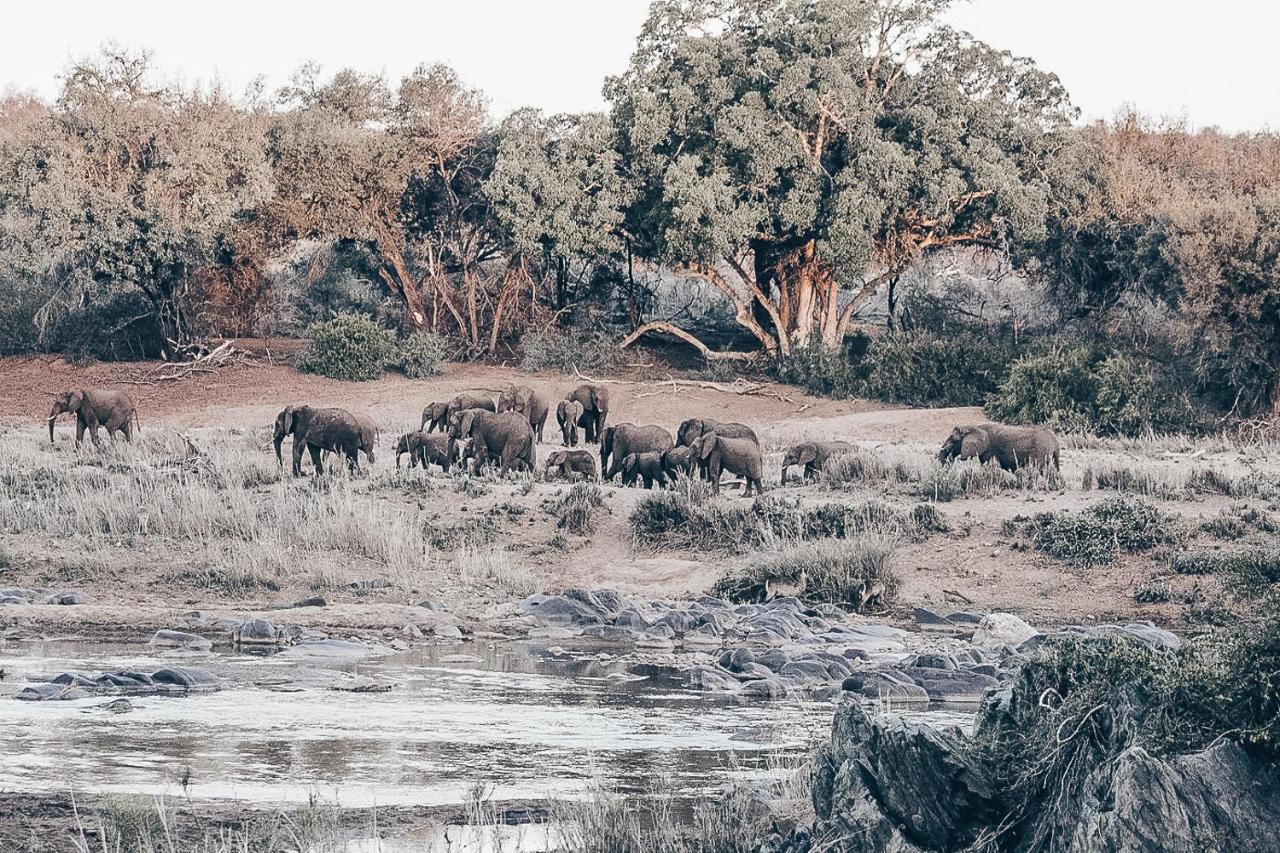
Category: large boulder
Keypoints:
(894, 785)
(576, 607)
(257, 632)
(1000, 630)
(186, 678)
(165, 639)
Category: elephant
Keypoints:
(423, 448)
(467, 400)
(96, 408)
(1012, 446)
(679, 460)
(505, 436)
(573, 464)
(697, 427)
(595, 409)
(739, 456)
(316, 430)
(624, 439)
(646, 466)
(526, 401)
(568, 415)
(437, 415)
(812, 455)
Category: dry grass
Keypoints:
(226, 498)
(492, 563)
(923, 476)
(834, 569)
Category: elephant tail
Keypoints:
(136, 423)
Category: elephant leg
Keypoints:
(93, 433)
(79, 431)
(127, 429)
(317, 458)
(353, 459)
(593, 432)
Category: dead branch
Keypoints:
(951, 592)
(667, 328)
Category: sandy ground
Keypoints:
(133, 590)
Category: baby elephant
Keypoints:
(680, 461)
(739, 456)
(568, 414)
(424, 447)
(573, 464)
(812, 455)
(646, 466)
(1013, 447)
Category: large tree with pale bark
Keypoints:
(799, 154)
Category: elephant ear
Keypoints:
(75, 401)
(630, 462)
(975, 443)
(707, 445)
(808, 453)
(286, 420)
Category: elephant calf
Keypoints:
(94, 408)
(739, 456)
(646, 466)
(618, 442)
(1013, 447)
(435, 417)
(680, 461)
(812, 455)
(573, 464)
(424, 448)
(569, 415)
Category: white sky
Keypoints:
(1216, 63)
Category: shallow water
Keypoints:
(504, 715)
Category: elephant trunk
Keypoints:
(53, 416)
(279, 440)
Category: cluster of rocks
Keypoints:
(21, 595)
(79, 685)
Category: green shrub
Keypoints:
(1126, 401)
(1058, 388)
(349, 346)
(1095, 535)
(422, 354)
(567, 350)
(834, 570)
(1239, 521)
(1156, 591)
(576, 509)
(18, 332)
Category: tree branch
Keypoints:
(667, 328)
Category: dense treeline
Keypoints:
(799, 159)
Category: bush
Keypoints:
(916, 368)
(18, 332)
(422, 354)
(1057, 388)
(564, 350)
(1093, 536)
(834, 570)
(1239, 521)
(576, 509)
(349, 347)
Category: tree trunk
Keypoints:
(808, 298)
(395, 273)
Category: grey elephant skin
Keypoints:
(1013, 447)
(812, 455)
(96, 408)
(573, 464)
(505, 437)
(316, 430)
(680, 461)
(739, 456)
(569, 415)
(595, 409)
(435, 416)
(695, 428)
(646, 466)
(528, 402)
(622, 440)
(424, 448)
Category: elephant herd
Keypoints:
(505, 431)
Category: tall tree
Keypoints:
(798, 154)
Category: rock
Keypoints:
(370, 585)
(10, 599)
(1145, 632)
(775, 659)
(885, 687)
(700, 639)
(752, 672)
(256, 632)
(634, 620)
(118, 706)
(610, 634)
(651, 642)
(935, 661)
(67, 598)
(361, 684)
(805, 670)
(882, 773)
(165, 639)
(954, 685)
(19, 595)
(341, 650)
(313, 601)
(191, 617)
(681, 621)
(73, 679)
(930, 621)
(446, 631)
(433, 606)
(551, 633)
(964, 618)
(186, 678)
(998, 630)
(412, 631)
(765, 688)
(50, 692)
(662, 631)
(737, 659)
(704, 677)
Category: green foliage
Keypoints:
(422, 354)
(564, 350)
(576, 509)
(1155, 591)
(349, 346)
(1239, 521)
(18, 332)
(1095, 535)
(915, 368)
(1057, 388)
(834, 570)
